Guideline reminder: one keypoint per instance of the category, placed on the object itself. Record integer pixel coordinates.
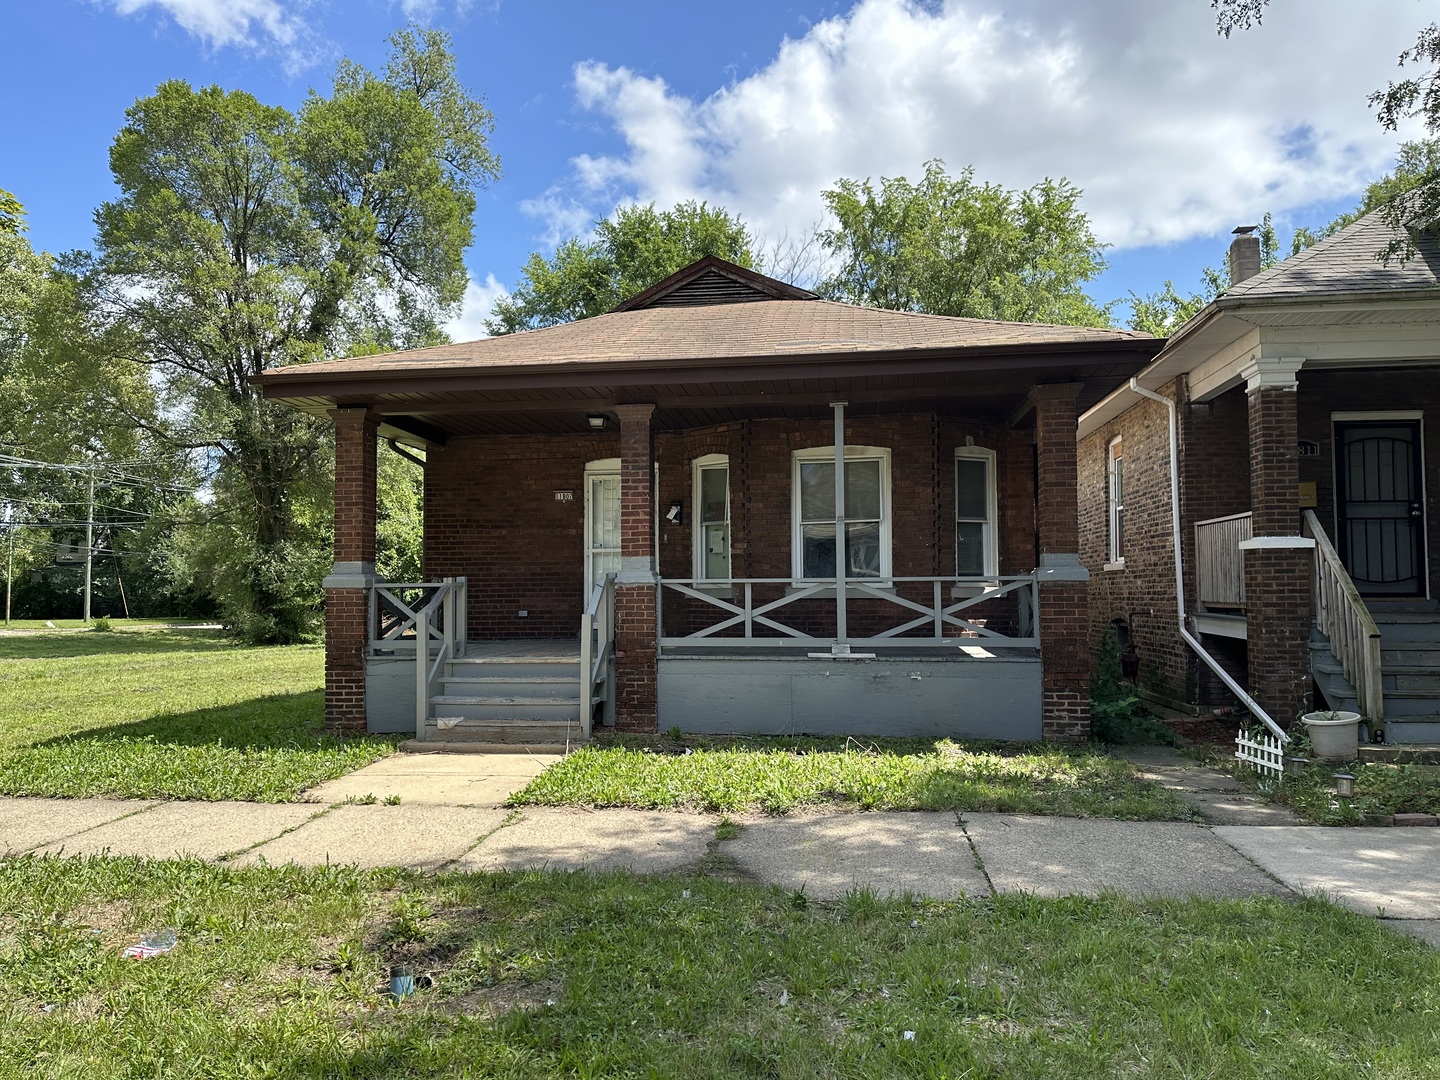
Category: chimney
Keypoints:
(1244, 254)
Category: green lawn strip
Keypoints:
(182, 714)
(776, 775)
(1381, 789)
(116, 622)
(280, 972)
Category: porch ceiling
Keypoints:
(437, 406)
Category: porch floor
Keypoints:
(524, 648)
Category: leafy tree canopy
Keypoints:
(950, 245)
(1415, 163)
(1416, 205)
(632, 249)
(246, 236)
(12, 214)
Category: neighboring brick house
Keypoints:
(1305, 399)
(666, 476)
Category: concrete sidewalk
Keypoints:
(1390, 873)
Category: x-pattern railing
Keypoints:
(937, 615)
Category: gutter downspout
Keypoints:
(1185, 635)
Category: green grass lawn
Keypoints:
(116, 623)
(281, 973)
(183, 714)
(877, 774)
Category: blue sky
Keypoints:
(1175, 134)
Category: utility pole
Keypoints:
(9, 556)
(89, 540)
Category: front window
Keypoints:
(712, 518)
(1116, 473)
(867, 513)
(976, 552)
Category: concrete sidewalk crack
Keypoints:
(81, 832)
(975, 854)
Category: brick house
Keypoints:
(727, 505)
(1303, 402)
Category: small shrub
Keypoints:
(1116, 714)
(102, 625)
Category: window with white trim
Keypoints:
(1115, 476)
(867, 513)
(712, 517)
(976, 502)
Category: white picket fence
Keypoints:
(1262, 750)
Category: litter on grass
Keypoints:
(152, 945)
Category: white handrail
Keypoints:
(1341, 615)
(450, 602)
(597, 648)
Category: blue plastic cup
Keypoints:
(402, 981)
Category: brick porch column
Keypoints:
(635, 586)
(1064, 583)
(1278, 561)
(347, 589)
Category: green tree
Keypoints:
(634, 248)
(1414, 164)
(1162, 313)
(247, 237)
(950, 245)
(12, 214)
(1414, 206)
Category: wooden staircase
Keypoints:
(512, 694)
(1410, 670)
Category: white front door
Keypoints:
(602, 522)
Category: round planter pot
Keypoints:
(1333, 735)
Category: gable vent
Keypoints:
(711, 287)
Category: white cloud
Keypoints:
(1172, 131)
(469, 325)
(261, 25)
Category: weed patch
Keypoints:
(776, 775)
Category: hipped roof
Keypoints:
(713, 323)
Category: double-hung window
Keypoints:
(1115, 476)
(712, 518)
(867, 513)
(976, 550)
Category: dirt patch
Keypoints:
(492, 1002)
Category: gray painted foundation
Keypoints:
(390, 695)
(991, 698)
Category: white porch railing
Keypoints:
(1219, 562)
(936, 622)
(1341, 614)
(597, 654)
(427, 618)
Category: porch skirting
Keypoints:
(996, 697)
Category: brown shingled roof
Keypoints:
(722, 331)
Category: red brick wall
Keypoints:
(346, 610)
(490, 512)
(355, 452)
(1214, 482)
(491, 516)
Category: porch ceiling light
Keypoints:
(596, 421)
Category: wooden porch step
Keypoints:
(512, 686)
(488, 707)
(514, 667)
(511, 732)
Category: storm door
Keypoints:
(602, 522)
(1380, 506)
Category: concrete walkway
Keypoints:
(1389, 873)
